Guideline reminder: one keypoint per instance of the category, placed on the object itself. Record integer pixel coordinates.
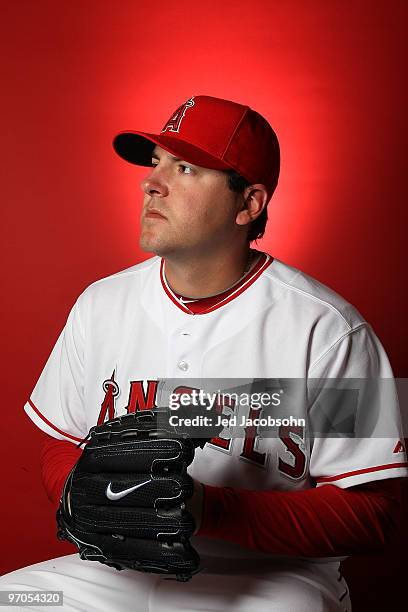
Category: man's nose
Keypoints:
(155, 183)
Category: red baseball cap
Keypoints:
(212, 133)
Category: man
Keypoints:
(274, 515)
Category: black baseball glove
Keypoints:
(123, 503)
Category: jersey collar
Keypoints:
(205, 305)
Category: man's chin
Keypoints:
(154, 246)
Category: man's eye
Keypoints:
(185, 169)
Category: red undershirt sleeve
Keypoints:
(320, 522)
(57, 458)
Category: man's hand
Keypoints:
(129, 501)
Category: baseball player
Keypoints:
(273, 515)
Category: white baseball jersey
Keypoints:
(128, 335)
(129, 338)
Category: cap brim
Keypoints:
(137, 147)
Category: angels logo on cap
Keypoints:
(173, 124)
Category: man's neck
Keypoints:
(203, 277)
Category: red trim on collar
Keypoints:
(169, 292)
(206, 305)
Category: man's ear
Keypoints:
(255, 198)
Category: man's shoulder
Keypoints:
(122, 282)
(307, 293)
(128, 273)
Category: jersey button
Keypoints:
(183, 366)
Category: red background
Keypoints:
(330, 77)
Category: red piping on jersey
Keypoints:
(376, 468)
(38, 413)
(167, 290)
(253, 276)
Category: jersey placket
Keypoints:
(184, 357)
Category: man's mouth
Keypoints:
(153, 213)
